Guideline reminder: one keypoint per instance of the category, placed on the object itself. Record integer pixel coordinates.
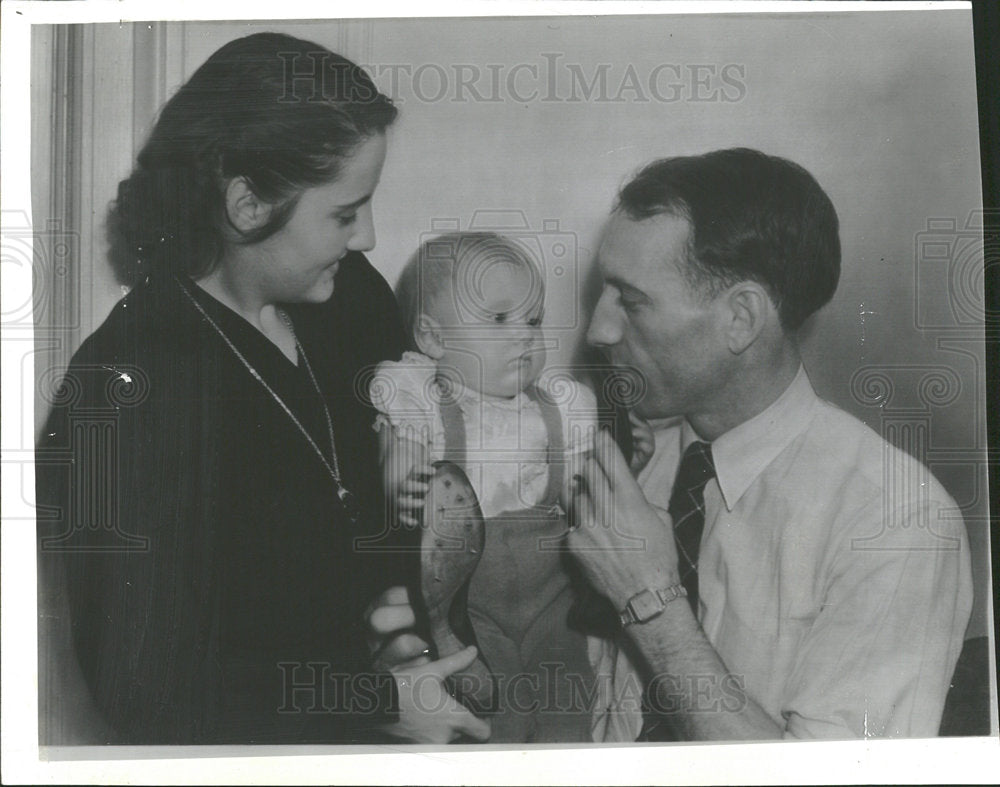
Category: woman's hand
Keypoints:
(643, 443)
(391, 638)
(427, 712)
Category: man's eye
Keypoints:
(500, 317)
(348, 220)
(534, 322)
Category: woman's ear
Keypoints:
(427, 334)
(245, 210)
(750, 308)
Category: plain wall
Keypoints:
(880, 107)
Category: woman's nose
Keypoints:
(363, 238)
(605, 327)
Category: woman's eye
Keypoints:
(348, 220)
(500, 317)
(534, 322)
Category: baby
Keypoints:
(475, 393)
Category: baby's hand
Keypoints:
(411, 493)
(643, 443)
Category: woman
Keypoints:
(222, 457)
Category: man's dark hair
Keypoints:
(752, 216)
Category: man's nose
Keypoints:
(605, 326)
(363, 238)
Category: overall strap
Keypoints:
(555, 455)
(454, 429)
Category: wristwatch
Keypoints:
(647, 604)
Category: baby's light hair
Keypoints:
(457, 258)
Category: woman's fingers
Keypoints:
(391, 618)
(449, 665)
(472, 726)
(404, 648)
(388, 615)
(397, 594)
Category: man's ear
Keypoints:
(427, 335)
(245, 210)
(750, 308)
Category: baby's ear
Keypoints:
(427, 334)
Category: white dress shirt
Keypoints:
(834, 572)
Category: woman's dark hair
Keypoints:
(752, 216)
(279, 111)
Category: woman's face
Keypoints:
(298, 263)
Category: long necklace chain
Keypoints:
(326, 410)
(332, 467)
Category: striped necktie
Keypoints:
(687, 509)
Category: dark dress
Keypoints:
(193, 537)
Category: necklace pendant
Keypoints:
(349, 502)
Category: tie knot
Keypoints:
(696, 468)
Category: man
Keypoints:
(827, 574)
(794, 576)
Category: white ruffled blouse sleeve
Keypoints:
(403, 392)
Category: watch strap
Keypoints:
(647, 604)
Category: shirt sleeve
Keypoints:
(403, 394)
(878, 658)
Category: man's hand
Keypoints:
(619, 540)
(643, 443)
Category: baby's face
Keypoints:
(492, 330)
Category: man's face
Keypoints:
(649, 318)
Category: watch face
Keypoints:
(644, 605)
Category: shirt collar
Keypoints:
(464, 395)
(742, 453)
